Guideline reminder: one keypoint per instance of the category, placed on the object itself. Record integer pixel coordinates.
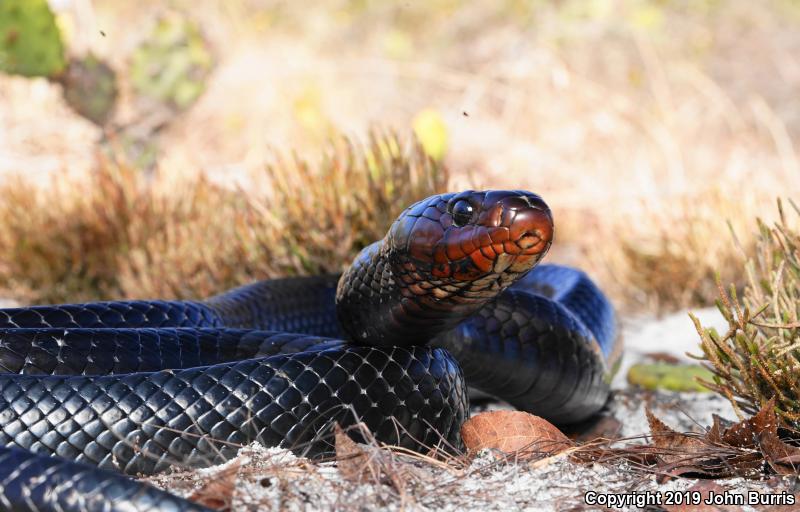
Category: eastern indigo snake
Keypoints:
(447, 298)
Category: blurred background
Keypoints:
(172, 149)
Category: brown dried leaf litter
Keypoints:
(754, 448)
(513, 432)
(751, 448)
(510, 466)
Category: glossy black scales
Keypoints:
(37, 483)
(137, 386)
(144, 422)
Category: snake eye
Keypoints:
(462, 213)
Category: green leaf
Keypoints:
(30, 42)
(668, 376)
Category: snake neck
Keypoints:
(385, 298)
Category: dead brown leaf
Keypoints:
(352, 460)
(726, 449)
(782, 457)
(714, 433)
(515, 432)
(682, 454)
(745, 433)
(218, 492)
(676, 445)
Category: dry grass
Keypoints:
(758, 358)
(120, 233)
(647, 125)
(666, 259)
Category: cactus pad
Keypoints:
(90, 88)
(30, 42)
(172, 64)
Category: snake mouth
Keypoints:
(534, 229)
(534, 243)
(529, 240)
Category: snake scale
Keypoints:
(449, 297)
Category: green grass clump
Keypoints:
(758, 358)
(121, 233)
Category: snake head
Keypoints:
(473, 235)
(442, 260)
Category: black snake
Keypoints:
(447, 297)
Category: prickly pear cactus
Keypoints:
(90, 88)
(30, 42)
(172, 64)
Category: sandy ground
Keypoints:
(672, 334)
(275, 479)
(483, 485)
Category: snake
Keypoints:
(453, 298)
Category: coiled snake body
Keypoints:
(447, 298)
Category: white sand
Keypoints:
(673, 334)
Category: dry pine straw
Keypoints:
(366, 476)
(274, 479)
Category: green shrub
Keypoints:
(758, 358)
